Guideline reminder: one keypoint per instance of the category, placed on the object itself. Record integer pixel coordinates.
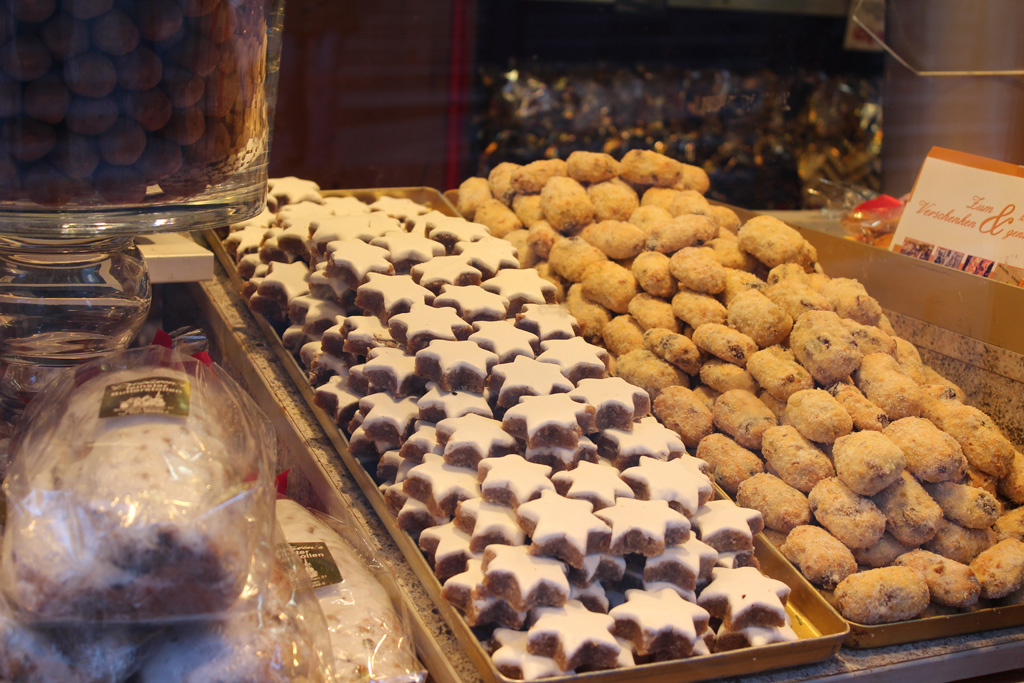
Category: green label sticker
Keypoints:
(147, 396)
(320, 566)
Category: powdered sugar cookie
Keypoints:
(472, 303)
(559, 458)
(648, 437)
(388, 295)
(413, 516)
(438, 404)
(388, 418)
(401, 208)
(644, 526)
(752, 636)
(488, 523)
(337, 400)
(406, 251)
(282, 283)
(554, 420)
(512, 480)
(423, 440)
(455, 365)
(489, 255)
(357, 335)
(393, 371)
(512, 659)
(617, 402)
(466, 592)
(346, 206)
(576, 358)
(745, 597)
(510, 382)
(422, 324)
(685, 564)
(449, 230)
(602, 567)
(726, 526)
(522, 579)
(547, 321)
(328, 288)
(598, 484)
(660, 623)
(365, 228)
(563, 528)
(441, 486)
(575, 637)
(354, 260)
(446, 548)
(314, 314)
(683, 483)
(445, 270)
(521, 287)
(469, 439)
(290, 190)
(323, 366)
(503, 338)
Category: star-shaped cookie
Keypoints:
(510, 382)
(563, 528)
(644, 526)
(597, 483)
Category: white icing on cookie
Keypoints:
(653, 520)
(554, 419)
(471, 438)
(512, 656)
(356, 260)
(290, 190)
(576, 358)
(489, 254)
(725, 517)
(659, 613)
(521, 287)
(525, 377)
(612, 394)
(513, 478)
(547, 321)
(597, 483)
(504, 338)
(447, 404)
(445, 270)
(472, 302)
(551, 519)
(401, 208)
(346, 206)
(576, 630)
(484, 520)
(422, 323)
(395, 293)
(680, 482)
(408, 249)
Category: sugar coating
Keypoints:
(398, 207)
(547, 321)
(397, 292)
(680, 482)
(404, 248)
(358, 259)
(324, 285)
(660, 614)
(576, 357)
(471, 438)
(489, 254)
(337, 394)
(597, 483)
(759, 636)
(593, 596)
(290, 190)
(503, 338)
(418, 225)
(396, 363)
(513, 658)
(526, 377)
(452, 403)
(718, 517)
(552, 518)
(458, 356)
(472, 303)
(360, 333)
(423, 322)
(575, 629)
(422, 441)
(555, 417)
(514, 476)
(652, 520)
(563, 458)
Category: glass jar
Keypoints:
(122, 117)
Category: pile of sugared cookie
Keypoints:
(805, 403)
(556, 512)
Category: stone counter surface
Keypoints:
(321, 480)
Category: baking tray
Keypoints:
(820, 627)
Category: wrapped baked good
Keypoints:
(275, 634)
(369, 640)
(139, 490)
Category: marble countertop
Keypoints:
(327, 484)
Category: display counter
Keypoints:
(320, 478)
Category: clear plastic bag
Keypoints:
(72, 654)
(276, 633)
(139, 490)
(369, 637)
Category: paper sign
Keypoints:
(966, 212)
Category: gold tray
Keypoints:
(819, 626)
